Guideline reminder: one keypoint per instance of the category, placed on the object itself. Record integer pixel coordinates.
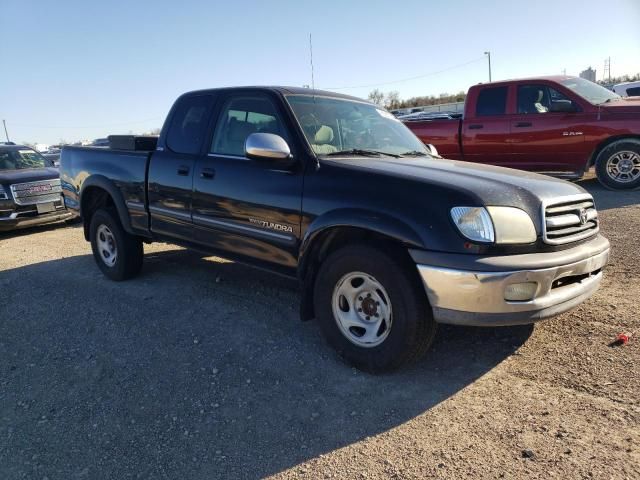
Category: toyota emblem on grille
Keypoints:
(583, 216)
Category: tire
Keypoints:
(409, 329)
(117, 253)
(618, 165)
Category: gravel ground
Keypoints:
(200, 368)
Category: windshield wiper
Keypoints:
(415, 153)
(361, 151)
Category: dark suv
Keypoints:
(30, 192)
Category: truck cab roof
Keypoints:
(284, 90)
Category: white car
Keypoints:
(627, 89)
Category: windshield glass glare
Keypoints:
(334, 125)
(590, 91)
(21, 159)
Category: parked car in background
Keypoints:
(384, 238)
(627, 89)
(100, 142)
(557, 125)
(30, 192)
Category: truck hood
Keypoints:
(623, 105)
(486, 184)
(8, 177)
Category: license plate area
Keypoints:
(45, 207)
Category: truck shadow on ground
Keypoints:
(608, 199)
(196, 369)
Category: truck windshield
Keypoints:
(334, 125)
(21, 159)
(590, 91)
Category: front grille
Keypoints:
(570, 220)
(36, 192)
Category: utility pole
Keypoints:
(607, 69)
(488, 54)
(4, 122)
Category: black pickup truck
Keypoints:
(385, 237)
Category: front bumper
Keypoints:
(470, 290)
(13, 222)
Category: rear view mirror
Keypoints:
(268, 147)
(565, 106)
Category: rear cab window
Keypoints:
(189, 124)
(491, 101)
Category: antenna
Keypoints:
(313, 83)
(4, 122)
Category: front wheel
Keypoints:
(618, 165)
(118, 254)
(372, 309)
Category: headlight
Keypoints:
(502, 225)
(474, 223)
(3, 193)
(512, 225)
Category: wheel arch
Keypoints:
(339, 228)
(97, 192)
(605, 143)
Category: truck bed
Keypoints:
(127, 169)
(444, 134)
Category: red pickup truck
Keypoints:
(558, 125)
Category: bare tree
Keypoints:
(376, 96)
(392, 101)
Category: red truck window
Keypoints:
(539, 99)
(491, 101)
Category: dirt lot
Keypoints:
(200, 368)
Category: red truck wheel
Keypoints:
(618, 165)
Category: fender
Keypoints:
(368, 220)
(104, 183)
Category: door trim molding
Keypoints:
(233, 227)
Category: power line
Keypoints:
(408, 78)
(87, 126)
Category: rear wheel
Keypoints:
(118, 254)
(372, 309)
(618, 165)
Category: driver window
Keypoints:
(240, 117)
(533, 99)
(539, 99)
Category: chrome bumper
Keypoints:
(14, 222)
(469, 297)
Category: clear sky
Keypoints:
(82, 69)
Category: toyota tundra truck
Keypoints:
(385, 238)
(559, 125)
(30, 192)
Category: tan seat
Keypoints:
(322, 140)
(538, 104)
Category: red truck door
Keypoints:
(485, 128)
(548, 130)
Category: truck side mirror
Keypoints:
(565, 106)
(268, 147)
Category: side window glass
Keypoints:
(189, 124)
(240, 117)
(534, 98)
(492, 101)
(633, 92)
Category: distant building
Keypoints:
(589, 74)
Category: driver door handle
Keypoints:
(183, 170)
(208, 173)
(523, 124)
